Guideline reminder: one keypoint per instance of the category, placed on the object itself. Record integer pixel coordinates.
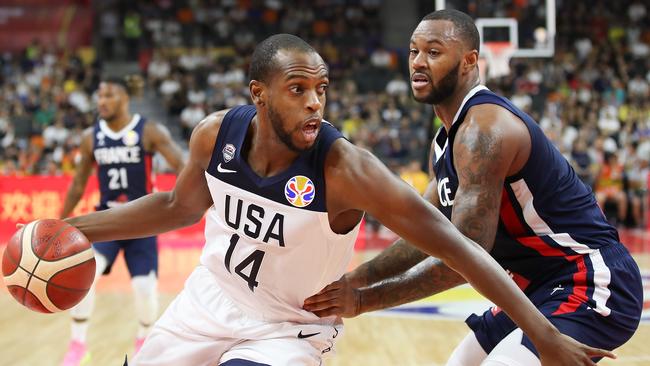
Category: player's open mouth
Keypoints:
(419, 80)
(310, 129)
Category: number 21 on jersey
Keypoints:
(117, 179)
(254, 260)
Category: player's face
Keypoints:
(110, 100)
(296, 98)
(434, 61)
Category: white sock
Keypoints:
(146, 302)
(81, 312)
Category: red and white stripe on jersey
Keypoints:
(515, 226)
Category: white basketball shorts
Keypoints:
(202, 326)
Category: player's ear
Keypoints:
(470, 60)
(257, 91)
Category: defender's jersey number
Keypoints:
(254, 261)
(117, 179)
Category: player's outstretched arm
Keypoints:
(394, 260)
(82, 171)
(398, 275)
(162, 211)
(366, 184)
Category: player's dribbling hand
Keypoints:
(338, 298)
(564, 350)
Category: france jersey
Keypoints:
(552, 237)
(268, 239)
(123, 166)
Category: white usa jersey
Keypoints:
(268, 240)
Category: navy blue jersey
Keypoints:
(550, 225)
(123, 165)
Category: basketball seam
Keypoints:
(21, 255)
(49, 243)
(11, 258)
(59, 258)
(63, 287)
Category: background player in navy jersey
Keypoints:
(275, 178)
(121, 145)
(502, 183)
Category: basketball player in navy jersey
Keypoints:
(121, 145)
(502, 183)
(284, 196)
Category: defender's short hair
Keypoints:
(462, 22)
(132, 84)
(116, 80)
(263, 61)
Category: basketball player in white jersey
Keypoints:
(121, 146)
(284, 196)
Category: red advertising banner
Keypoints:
(24, 199)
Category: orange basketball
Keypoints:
(48, 266)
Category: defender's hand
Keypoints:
(339, 298)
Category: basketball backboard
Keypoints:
(529, 25)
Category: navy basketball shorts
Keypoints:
(141, 255)
(585, 323)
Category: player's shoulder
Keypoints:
(152, 127)
(344, 159)
(205, 133)
(211, 123)
(488, 113)
(88, 133)
(490, 119)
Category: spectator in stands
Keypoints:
(55, 135)
(190, 117)
(582, 162)
(413, 174)
(636, 171)
(609, 187)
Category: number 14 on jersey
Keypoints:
(254, 260)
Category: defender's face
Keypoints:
(434, 61)
(296, 98)
(110, 99)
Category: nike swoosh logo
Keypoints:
(224, 170)
(300, 335)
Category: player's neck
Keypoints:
(119, 122)
(447, 109)
(265, 153)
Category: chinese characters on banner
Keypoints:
(25, 199)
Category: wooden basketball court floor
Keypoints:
(422, 334)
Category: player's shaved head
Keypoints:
(263, 61)
(463, 25)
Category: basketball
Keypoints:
(48, 266)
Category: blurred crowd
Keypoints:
(592, 99)
(45, 103)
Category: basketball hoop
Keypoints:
(496, 57)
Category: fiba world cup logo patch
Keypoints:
(131, 138)
(300, 191)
